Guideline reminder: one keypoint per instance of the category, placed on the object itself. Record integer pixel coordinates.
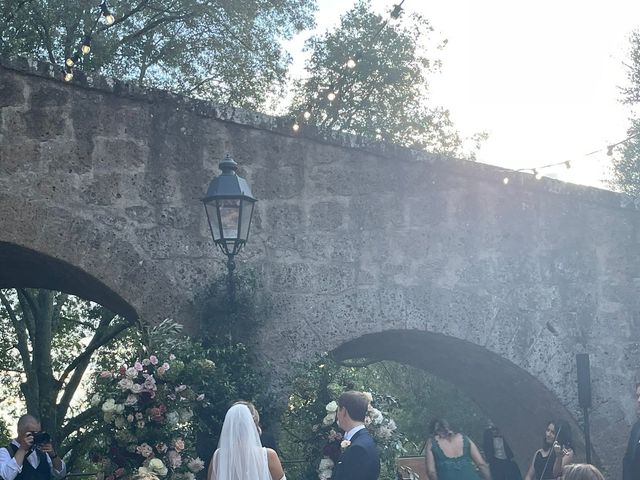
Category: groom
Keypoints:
(359, 460)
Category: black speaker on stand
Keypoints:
(584, 396)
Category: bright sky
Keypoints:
(542, 78)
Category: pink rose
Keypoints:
(105, 374)
(179, 445)
(165, 365)
(153, 359)
(138, 366)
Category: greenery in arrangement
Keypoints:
(406, 399)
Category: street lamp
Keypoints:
(229, 206)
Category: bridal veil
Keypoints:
(240, 455)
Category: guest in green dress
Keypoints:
(453, 456)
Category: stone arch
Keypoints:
(23, 267)
(516, 401)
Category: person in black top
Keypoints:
(31, 455)
(631, 460)
(555, 454)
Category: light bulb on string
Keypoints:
(610, 150)
(72, 60)
(295, 127)
(109, 19)
(331, 96)
(307, 115)
(86, 45)
(68, 74)
(567, 164)
(537, 174)
(351, 63)
(505, 180)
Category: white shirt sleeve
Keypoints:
(9, 468)
(58, 475)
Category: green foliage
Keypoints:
(218, 369)
(385, 95)
(5, 436)
(626, 161)
(410, 396)
(227, 51)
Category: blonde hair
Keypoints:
(582, 471)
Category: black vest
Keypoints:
(43, 472)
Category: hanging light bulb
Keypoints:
(72, 60)
(331, 96)
(68, 74)
(86, 45)
(610, 150)
(537, 174)
(307, 115)
(505, 180)
(295, 127)
(351, 63)
(108, 16)
(567, 164)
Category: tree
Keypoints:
(48, 343)
(226, 51)
(626, 161)
(370, 77)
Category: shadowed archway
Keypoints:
(518, 403)
(21, 267)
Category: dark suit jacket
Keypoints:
(360, 460)
(631, 461)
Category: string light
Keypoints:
(352, 63)
(296, 127)
(537, 174)
(86, 45)
(109, 19)
(505, 180)
(567, 164)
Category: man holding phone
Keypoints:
(34, 446)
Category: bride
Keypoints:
(240, 455)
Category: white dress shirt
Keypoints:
(9, 468)
(348, 435)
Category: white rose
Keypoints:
(109, 405)
(376, 416)
(186, 415)
(195, 465)
(326, 464)
(120, 422)
(329, 419)
(119, 408)
(332, 407)
(136, 388)
(157, 467)
(131, 399)
(173, 418)
(189, 476)
(131, 372)
(95, 400)
(125, 384)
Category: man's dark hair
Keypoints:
(356, 404)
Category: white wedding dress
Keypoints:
(240, 455)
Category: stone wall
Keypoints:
(370, 251)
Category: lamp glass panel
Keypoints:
(212, 216)
(245, 222)
(229, 217)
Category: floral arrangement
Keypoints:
(382, 428)
(148, 418)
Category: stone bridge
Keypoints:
(366, 251)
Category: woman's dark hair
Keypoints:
(440, 427)
(563, 433)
